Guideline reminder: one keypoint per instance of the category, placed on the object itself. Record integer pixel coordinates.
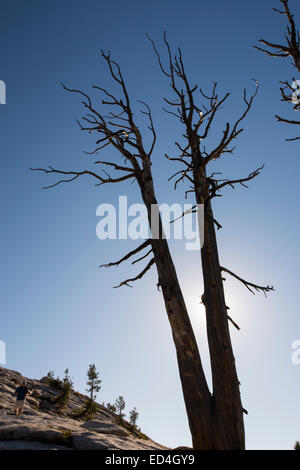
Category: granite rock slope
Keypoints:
(44, 427)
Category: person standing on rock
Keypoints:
(21, 393)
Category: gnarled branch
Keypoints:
(248, 284)
(230, 135)
(231, 183)
(77, 174)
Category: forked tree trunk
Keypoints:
(197, 397)
(216, 421)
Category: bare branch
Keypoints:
(158, 56)
(233, 322)
(292, 49)
(139, 276)
(215, 106)
(192, 210)
(271, 54)
(288, 121)
(129, 255)
(142, 257)
(218, 225)
(77, 174)
(176, 159)
(151, 127)
(228, 135)
(249, 285)
(115, 166)
(292, 139)
(240, 181)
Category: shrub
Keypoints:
(66, 386)
(136, 432)
(66, 437)
(87, 412)
(52, 381)
(111, 407)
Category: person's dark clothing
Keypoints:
(21, 392)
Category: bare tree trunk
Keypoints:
(227, 407)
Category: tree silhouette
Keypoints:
(133, 416)
(215, 418)
(93, 381)
(120, 406)
(194, 159)
(289, 91)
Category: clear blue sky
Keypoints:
(58, 309)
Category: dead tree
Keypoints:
(120, 130)
(289, 92)
(194, 159)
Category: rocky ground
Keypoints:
(42, 426)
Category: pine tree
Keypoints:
(297, 445)
(66, 387)
(67, 381)
(133, 416)
(120, 405)
(93, 381)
